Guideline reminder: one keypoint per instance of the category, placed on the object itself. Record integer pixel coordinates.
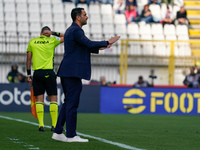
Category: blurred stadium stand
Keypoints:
(21, 20)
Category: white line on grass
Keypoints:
(23, 143)
(85, 135)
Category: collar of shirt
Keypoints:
(42, 36)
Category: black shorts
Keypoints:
(44, 80)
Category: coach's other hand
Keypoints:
(112, 40)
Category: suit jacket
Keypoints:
(76, 59)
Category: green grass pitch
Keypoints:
(150, 132)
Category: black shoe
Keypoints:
(41, 128)
(52, 128)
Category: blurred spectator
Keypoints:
(181, 17)
(12, 75)
(168, 17)
(21, 78)
(107, 2)
(131, 2)
(153, 2)
(152, 79)
(167, 1)
(146, 14)
(119, 6)
(131, 14)
(103, 81)
(82, 2)
(197, 67)
(191, 80)
(156, 17)
(141, 83)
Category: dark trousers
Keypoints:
(72, 88)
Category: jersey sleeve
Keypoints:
(56, 41)
(29, 47)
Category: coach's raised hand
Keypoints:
(112, 40)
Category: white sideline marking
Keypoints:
(23, 143)
(110, 142)
(85, 135)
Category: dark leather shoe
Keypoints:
(41, 129)
(52, 128)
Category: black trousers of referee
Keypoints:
(72, 88)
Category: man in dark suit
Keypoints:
(74, 67)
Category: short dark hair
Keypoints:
(45, 28)
(140, 78)
(76, 12)
(193, 68)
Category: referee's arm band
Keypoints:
(56, 33)
(28, 72)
